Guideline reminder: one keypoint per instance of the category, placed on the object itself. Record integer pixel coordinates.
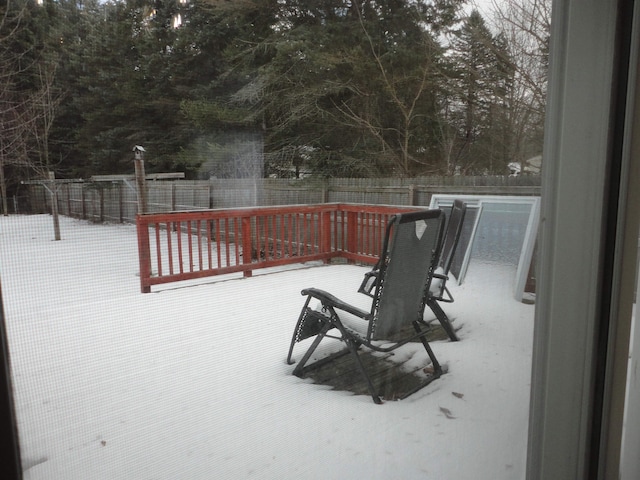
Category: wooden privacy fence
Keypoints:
(180, 246)
(115, 201)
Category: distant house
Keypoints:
(532, 166)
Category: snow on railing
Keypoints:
(180, 246)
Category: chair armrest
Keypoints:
(439, 288)
(369, 282)
(331, 301)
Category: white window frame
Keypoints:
(587, 242)
(528, 245)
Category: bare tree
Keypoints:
(526, 25)
(26, 114)
(43, 106)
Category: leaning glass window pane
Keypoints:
(501, 233)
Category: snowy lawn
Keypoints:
(190, 382)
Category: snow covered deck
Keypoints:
(189, 382)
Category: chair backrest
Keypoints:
(411, 251)
(452, 235)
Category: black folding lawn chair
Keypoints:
(438, 291)
(411, 251)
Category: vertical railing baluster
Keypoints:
(190, 244)
(273, 244)
(218, 235)
(290, 234)
(265, 238)
(180, 266)
(199, 227)
(258, 243)
(367, 234)
(209, 224)
(281, 230)
(303, 231)
(236, 239)
(246, 244)
(170, 226)
(158, 249)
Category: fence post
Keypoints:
(83, 202)
(101, 198)
(412, 195)
(247, 248)
(325, 191)
(120, 202)
(144, 254)
(69, 212)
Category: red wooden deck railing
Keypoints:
(180, 246)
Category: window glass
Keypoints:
(241, 105)
(501, 232)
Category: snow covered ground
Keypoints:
(190, 382)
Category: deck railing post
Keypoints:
(326, 229)
(247, 247)
(144, 253)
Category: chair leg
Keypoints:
(437, 368)
(442, 318)
(354, 351)
(298, 370)
(353, 345)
